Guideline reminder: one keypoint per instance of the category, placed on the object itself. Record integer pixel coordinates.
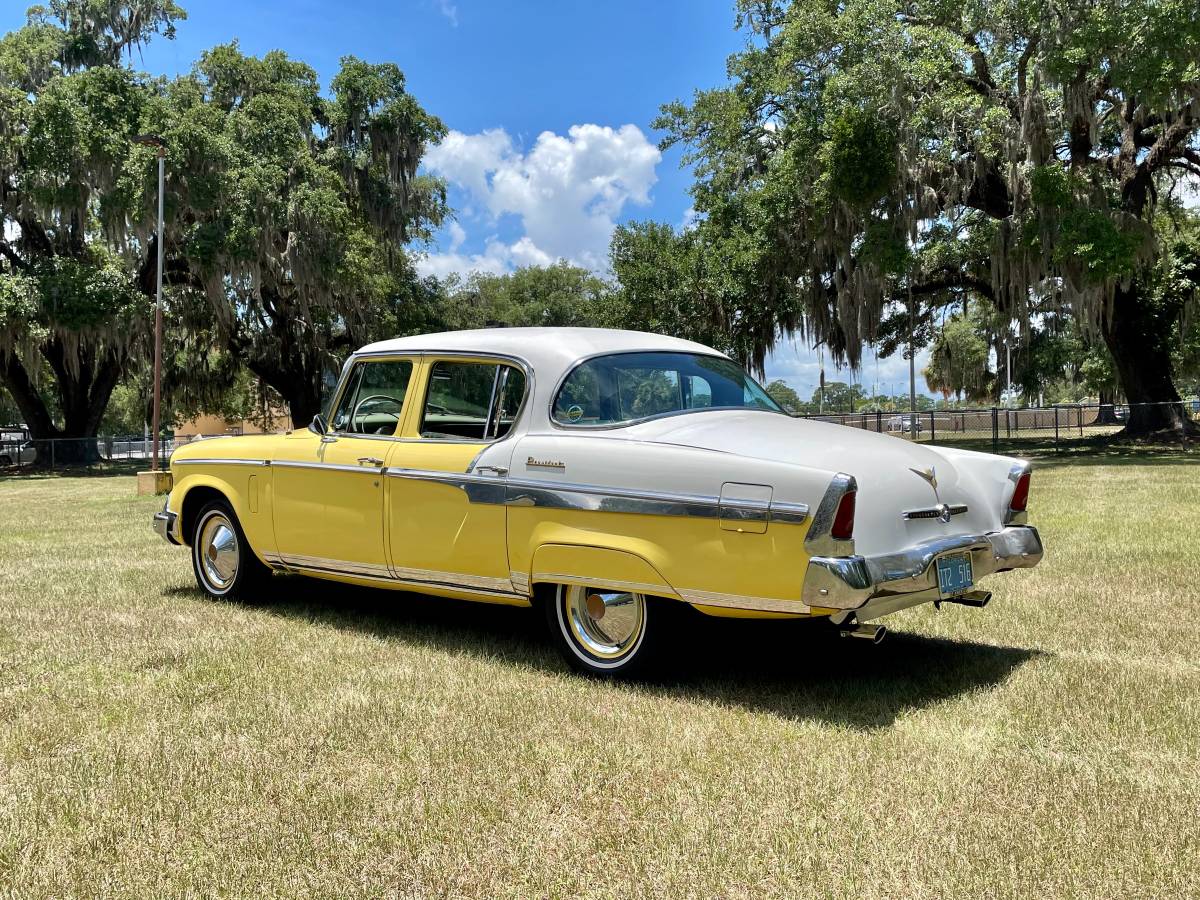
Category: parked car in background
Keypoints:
(610, 478)
(16, 450)
(905, 424)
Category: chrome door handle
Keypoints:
(498, 470)
(370, 461)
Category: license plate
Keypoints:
(954, 574)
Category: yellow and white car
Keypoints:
(606, 476)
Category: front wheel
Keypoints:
(606, 633)
(225, 566)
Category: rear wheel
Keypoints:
(604, 632)
(5, 460)
(224, 564)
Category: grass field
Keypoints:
(342, 742)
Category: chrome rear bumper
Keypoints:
(897, 580)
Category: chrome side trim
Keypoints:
(786, 513)
(326, 467)
(417, 578)
(848, 582)
(371, 570)
(739, 601)
(458, 579)
(207, 461)
(479, 488)
(597, 498)
(594, 498)
(520, 581)
(819, 542)
(635, 587)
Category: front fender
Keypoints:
(246, 489)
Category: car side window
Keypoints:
(373, 401)
(471, 400)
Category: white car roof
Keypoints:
(550, 351)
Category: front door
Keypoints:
(329, 489)
(446, 526)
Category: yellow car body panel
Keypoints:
(694, 558)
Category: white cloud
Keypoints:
(450, 11)
(567, 190)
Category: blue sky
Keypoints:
(549, 106)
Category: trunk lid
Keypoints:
(885, 467)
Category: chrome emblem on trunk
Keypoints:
(929, 475)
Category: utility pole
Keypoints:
(912, 365)
(1008, 366)
(156, 141)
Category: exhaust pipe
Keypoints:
(976, 599)
(872, 633)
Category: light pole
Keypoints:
(153, 140)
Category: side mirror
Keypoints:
(317, 425)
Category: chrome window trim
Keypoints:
(501, 359)
(343, 383)
(819, 542)
(519, 361)
(679, 412)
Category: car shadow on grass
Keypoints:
(791, 669)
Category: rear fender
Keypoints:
(600, 567)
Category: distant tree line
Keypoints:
(991, 181)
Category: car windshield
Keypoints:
(625, 387)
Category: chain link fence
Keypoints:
(999, 429)
(994, 429)
(18, 452)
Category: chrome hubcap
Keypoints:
(218, 549)
(605, 623)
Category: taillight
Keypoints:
(1020, 496)
(843, 521)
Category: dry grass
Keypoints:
(343, 742)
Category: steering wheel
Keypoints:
(374, 398)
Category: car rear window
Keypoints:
(627, 387)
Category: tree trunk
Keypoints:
(304, 403)
(83, 395)
(1107, 414)
(1137, 337)
(295, 381)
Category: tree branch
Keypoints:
(8, 252)
(1174, 135)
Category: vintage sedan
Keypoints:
(607, 477)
